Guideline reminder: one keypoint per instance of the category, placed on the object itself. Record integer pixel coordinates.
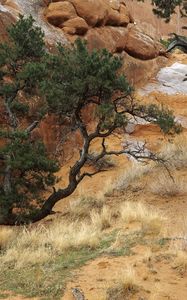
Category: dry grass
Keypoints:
(131, 174)
(40, 244)
(151, 220)
(126, 286)
(164, 185)
(81, 208)
(102, 220)
(180, 262)
(176, 152)
(7, 234)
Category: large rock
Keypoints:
(115, 4)
(75, 26)
(105, 37)
(93, 12)
(59, 12)
(138, 44)
(117, 18)
(137, 71)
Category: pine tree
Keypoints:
(166, 8)
(25, 169)
(67, 83)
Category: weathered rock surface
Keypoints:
(104, 24)
(142, 12)
(76, 25)
(138, 44)
(105, 37)
(95, 13)
(59, 12)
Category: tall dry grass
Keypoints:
(166, 186)
(81, 207)
(41, 244)
(125, 287)
(7, 234)
(151, 220)
(131, 175)
(175, 153)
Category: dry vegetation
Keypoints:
(40, 244)
(125, 288)
(91, 227)
(151, 220)
(164, 185)
(175, 152)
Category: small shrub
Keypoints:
(165, 43)
(131, 174)
(164, 185)
(102, 220)
(151, 220)
(125, 288)
(175, 153)
(180, 262)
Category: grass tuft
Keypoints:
(165, 186)
(126, 287)
(151, 220)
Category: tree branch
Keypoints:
(31, 127)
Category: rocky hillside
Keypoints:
(104, 24)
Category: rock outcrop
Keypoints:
(138, 44)
(95, 13)
(103, 23)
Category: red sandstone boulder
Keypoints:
(113, 18)
(105, 37)
(93, 12)
(138, 44)
(115, 4)
(75, 26)
(59, 12)
(137, 71)
(124, 15)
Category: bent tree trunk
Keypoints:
(178, 41)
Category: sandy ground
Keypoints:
(158, 280)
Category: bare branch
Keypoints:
(31, 127)
(87, 174)
(13, 120)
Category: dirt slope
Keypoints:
(155, 275)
